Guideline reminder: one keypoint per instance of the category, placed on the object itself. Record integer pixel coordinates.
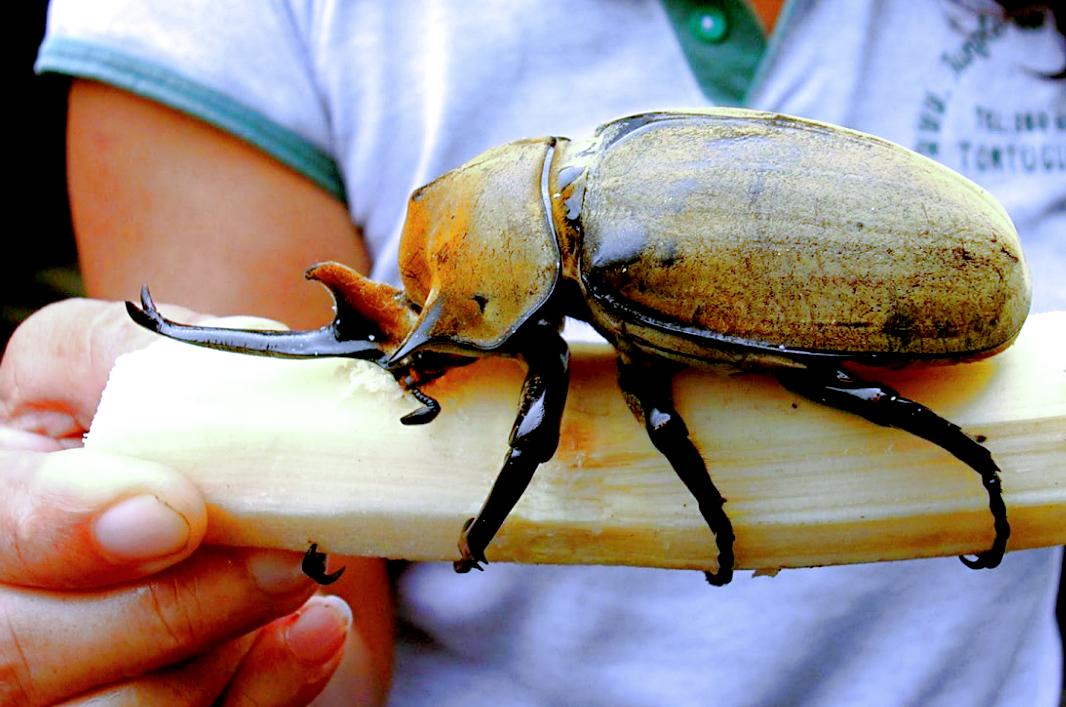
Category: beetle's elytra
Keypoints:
(686, 239)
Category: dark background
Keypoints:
(39, 262)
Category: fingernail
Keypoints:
(277, 571)
(141, 528)
(320, 630)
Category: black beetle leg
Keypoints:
(648, 391)
(534, 439)
(314, 566)
(883, 405)
(427, 413)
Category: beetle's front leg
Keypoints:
(883, 405)
(314, 566)
(647, 389)
(534, 439)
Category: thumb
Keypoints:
(57, 362)
(79, 518)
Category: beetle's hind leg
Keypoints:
(883, 405)
(648, 392)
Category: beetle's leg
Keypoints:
(314, 566)
(419, 369)
(427, 413)
(534, 438)
(647, 389)
(883, 405)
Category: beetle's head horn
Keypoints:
(478, 254)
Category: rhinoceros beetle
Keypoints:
(709, 238)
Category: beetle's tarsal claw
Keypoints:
(465, 565)
(724, 537)
(721, 578)
(471, 559)
(314, 566)
(427, 413)
(983, 561)
(993, 556)
(420, 416)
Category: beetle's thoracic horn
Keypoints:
(425, 330)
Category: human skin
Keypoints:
(162, 198)
(107, 596)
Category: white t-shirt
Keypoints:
(372, 99)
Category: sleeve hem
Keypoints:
(153, 81)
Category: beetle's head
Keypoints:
(478, 255)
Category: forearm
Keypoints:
(206, 219)
(215, 225)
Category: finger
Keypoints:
(293, 658)
(365, 672)
(54, 645)
(57, 362)
(287, 662)
(77, 518)
(18, 440)
(193, 683)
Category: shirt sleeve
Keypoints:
(240, 66)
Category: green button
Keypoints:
(709, 25)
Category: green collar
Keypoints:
(724, 44)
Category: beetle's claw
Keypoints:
(314, 566)
(983, 561)
(723, 533)
(720, 578)
(991, 558)
(427, 413)
(419, 417)
(471, 560)
(466, 564)
(990, 477)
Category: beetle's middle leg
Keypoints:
(883, 405)
(534, 439)
(648, 391)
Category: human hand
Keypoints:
(106, 596)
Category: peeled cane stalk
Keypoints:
(292, 452)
